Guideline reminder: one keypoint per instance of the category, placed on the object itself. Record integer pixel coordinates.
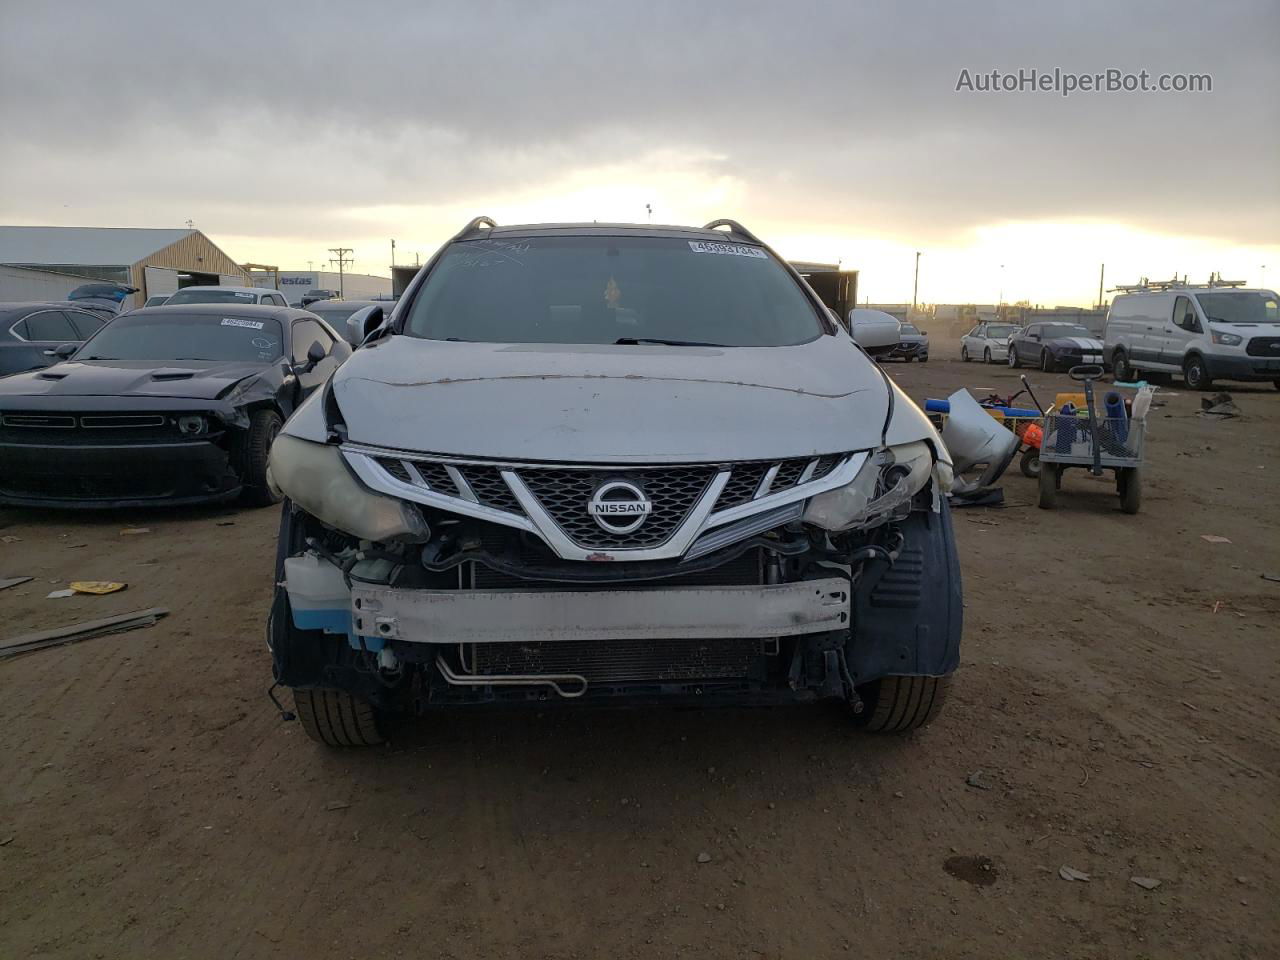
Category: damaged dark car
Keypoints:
(172, 405)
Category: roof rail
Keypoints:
(734, 227)
(474, 226)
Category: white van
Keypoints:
(1206, 332)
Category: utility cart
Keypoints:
(1113, 441)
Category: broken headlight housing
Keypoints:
(316, 478)
(881, 490)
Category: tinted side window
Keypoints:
(305, 333)
(86, 324)
(50, 325)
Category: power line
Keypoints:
(341, 256)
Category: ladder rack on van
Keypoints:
(1157, 286)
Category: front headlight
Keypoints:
(316, 478)
(1227, 339)
(886, 482)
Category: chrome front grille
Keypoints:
(694, 508)
(564, 494)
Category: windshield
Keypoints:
(909, 328)
(611, 290)
(171, 337)
(1240, 306)
(1065, 330)
(212, 295)
(1001, 331)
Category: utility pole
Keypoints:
(393, 253)
(1001, 302)
(915, 287)
(341, 256)
(1101, 275)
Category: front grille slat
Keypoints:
(565, 494)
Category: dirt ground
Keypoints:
(1116, 713)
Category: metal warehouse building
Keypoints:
(47, 263)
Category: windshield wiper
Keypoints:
(637, 341)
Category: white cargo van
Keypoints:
(1206, 332)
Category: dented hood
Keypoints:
(602, 404)
(201, 380)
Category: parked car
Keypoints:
(242, 296)
(988, 341)
(336, 312)
(875, 331)
(594, 462)
(1054, 345)
(1206, 333)
(162, 405)
(315, 294)
(30, 332)
(913, 344)
(106, 299)
(159, 300)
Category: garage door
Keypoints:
(160, 281)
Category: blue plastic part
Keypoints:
(330, 620)
(937, 406)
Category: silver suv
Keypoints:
(589, 462)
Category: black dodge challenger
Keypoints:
(162, 405)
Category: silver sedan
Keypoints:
(988, 342)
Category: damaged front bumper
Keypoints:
(94, 452)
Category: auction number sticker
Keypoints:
(729, 249)
(247, 324)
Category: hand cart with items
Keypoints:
(1075, 437)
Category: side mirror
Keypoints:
(65, 350)
(362, 323)
(315, 353)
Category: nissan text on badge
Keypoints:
(605, 463)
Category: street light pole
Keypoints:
(915, 287)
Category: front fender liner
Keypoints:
(908, 616)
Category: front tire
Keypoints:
(1121, 371)
(1196, 374)
(1013, 358)
(986, 355)
(1030, 463)
(337, 719)
(964, 354)
(1046, 361)
(900, 704)
(255, 445)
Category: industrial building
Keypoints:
(294, 283)
(47, 263)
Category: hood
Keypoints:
(1083, 343)
(914, 337)
(612, 404)
(119, 378)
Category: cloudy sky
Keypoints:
(834, 130)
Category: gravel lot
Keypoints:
(1116, 713)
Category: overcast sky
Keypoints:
(833, 129)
